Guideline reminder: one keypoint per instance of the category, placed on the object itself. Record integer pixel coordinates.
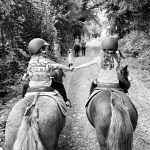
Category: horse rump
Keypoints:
(120, 133)
(28, 133)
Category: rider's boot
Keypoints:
(93, 85)
(61, 89)
(25, 87)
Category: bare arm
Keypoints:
(25, 76)
(86, 65)
(63, 67)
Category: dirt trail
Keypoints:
(78, 134)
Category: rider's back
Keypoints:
(39, 70)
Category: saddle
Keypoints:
(108, 85)
(50, 92)
(40, 89)
(103, 86)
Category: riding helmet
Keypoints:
(110, 43)
(35, 45)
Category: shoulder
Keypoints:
(97, 60)
(33, 59)
(46, 60)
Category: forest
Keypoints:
(59, 22)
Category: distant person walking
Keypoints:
(70, 58)
(83, 46)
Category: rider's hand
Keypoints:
(74, 69)
(130, 78)
(24, 76)
(68, 104)
(71, 68)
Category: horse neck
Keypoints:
(125, 77)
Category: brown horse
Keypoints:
(113, 115)
(35, 123)
(76, 49)
(58, 75)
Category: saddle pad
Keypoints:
(92, 95)
(99, 89)
(56, 96)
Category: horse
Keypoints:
(58, 75)
(113, 115)
(77, 48)
(35, 122)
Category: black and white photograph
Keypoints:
(74, 74)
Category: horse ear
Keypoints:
(126, 67)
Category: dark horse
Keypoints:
(58, 75)
(35, 122)
(113, 115)
(76, 48)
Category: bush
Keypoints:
(137, 45)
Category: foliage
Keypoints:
(69, 22)
(126, 15)
(56, 21)
(21, 21)
(137, 45)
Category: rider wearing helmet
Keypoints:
(108, 61)
(40, 69)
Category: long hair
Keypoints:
(108, 60)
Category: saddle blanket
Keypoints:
(98, 90)
(56, 96)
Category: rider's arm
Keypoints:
(120, 53)
(55, 66)
(87, 64)
(25, 76)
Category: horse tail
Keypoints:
(120, 134)
(28, 133)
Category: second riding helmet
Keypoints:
(110, 43)
(35, 45)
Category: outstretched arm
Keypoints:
(25, 76)
(63, 67)
(86, 65)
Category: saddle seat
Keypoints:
(50, 92)
(43, 90)
(108, 85)
(104, 86)
(113, 88)
(40, 89)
